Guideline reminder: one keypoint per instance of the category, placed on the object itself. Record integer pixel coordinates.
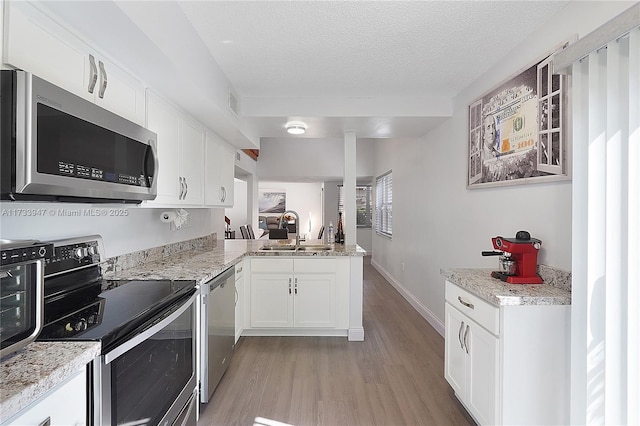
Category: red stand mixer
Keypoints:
(518, 258)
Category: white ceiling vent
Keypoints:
(234, 104)
(237, 155)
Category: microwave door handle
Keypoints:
(103, 80)
(93, 77)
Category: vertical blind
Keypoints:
(384, 204)
(363, 205)
(606, 233)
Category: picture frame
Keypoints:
(272, 201)
(518, 131)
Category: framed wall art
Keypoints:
(272, 201)
(518, 130)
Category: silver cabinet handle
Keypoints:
(223, 193)
(296, 286)
(467, 304)
(181, 179)
(45, 422)
(289, 285)
(466, 341)
(237, 297)
(93, 77)
(186, 189)
(103, 80)
(460, 334)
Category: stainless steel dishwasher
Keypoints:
(218, 298)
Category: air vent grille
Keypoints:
(234, 104)
(237, 156)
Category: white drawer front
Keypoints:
(272, 264)
(482, 312)
(315, 265)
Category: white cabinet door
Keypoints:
(164, 120)
(116, 90)
(271, 300)
(180, 148)
(65, 405)
(36, 43)
(314, 300)
(192, 161)
(219, 171)
(471, 364)
(455, 356)
(482, 372)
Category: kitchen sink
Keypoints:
(291, 247)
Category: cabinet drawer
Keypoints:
(315, 265)
(272, 265)
(482, 312)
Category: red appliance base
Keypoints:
(514, 279)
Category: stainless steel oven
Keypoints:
(21, 292)
(146, 371)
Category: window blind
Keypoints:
(363, 205)
(384, 204)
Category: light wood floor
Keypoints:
(394, 377)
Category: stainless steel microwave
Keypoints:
(56, 146)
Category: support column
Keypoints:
(349, 188)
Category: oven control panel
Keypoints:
(16, 253)
(75, 253)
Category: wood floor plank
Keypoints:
(395, 377)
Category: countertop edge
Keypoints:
(480, 283)
(44, 373)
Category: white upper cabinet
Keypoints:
(35, 43)
(180, 153)
(219, 172)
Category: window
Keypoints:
(384, 204)
(363, 205)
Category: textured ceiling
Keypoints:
(361, 48)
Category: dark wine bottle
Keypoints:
(340, 231)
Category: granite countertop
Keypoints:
(204, 264)
(31, 372)
(482, 284)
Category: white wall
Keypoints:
(306, 159)
(437, 222)
(238, 213)
(305, 199)
(139, 229)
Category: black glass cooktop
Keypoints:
(114, 315)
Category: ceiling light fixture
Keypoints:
(296, 127)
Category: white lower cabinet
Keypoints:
(471, 357)
(64, 405)
(507, 364)
(293, 293)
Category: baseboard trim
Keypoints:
(409, 297)
(356, 334)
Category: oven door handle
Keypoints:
(132, 343)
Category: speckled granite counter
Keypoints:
(482, 284)
(31, 372)
(204, 263)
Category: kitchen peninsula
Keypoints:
(331, 275)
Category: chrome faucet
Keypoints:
(297, 225)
